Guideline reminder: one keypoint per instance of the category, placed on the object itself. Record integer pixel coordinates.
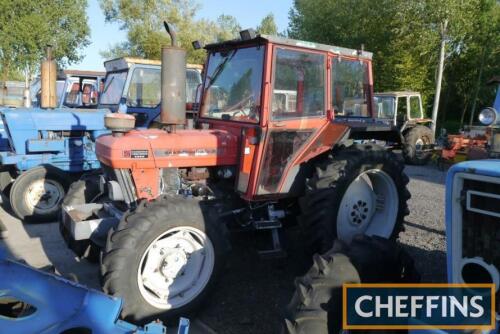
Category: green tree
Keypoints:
(268, 25)
(27, 26)
(405, 39)
(143, 21)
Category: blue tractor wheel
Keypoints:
(37, 194)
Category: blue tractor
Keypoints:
(45, 150)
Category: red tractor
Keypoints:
(273, 143)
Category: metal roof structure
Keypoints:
(124, 63)
(397, 93)
(295, 43)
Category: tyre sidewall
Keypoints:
(410, 145)
(136, 307)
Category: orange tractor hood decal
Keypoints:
(158, 149)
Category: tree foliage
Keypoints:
(27, 26)
(268, 26)
(405, 36)
(143, 21)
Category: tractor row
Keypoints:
(45, 148)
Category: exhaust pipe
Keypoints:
(173, 82)
(48, 80)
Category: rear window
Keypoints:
(350, 87)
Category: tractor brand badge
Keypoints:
(419, 306)
(139, 154)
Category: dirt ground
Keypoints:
(251, 294)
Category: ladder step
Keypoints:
(266, 224)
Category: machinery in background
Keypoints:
(476, 142)
(28, 306)
(74, 89)
(45, 149)
(11, 93)
(404, 111)
(133, 86)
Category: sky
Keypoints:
(248, 13)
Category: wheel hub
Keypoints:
(43, 195)
(173, 263)
(369, 206)
(359, 213)
(176, 267)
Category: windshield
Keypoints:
(384, 106)
(113, 88)
(233, 85)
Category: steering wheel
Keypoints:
(238, 106)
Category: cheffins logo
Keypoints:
(419, 306)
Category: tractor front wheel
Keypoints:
(360, 189)
(37, 194)
(163, 258)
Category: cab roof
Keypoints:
(397, 93)
(78, 73)
(260, 39)
(124, 63)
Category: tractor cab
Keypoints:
(289, 101)
(133, 85)
(74, 89)
(402, 108)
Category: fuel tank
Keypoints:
(154, 148)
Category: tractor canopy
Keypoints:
(265, 78)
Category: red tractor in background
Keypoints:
(276, 139)
(479, 141)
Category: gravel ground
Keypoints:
(251, 293)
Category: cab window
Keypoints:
(144, 90)
(350, 87)
(299, 84)
(402, 112)
(415, 107)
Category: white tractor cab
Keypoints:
(74, 89)
(405, 112)
(133, 86)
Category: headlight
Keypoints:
(488, 116)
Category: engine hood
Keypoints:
(158, 149)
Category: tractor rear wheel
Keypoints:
(360, 189)
(37, 194)
(316, 306)
(164, 257)
(414, 142)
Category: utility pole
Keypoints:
(478, 84)
(444, 26)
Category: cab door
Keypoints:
(297, 111)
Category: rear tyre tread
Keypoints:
(324, 193)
